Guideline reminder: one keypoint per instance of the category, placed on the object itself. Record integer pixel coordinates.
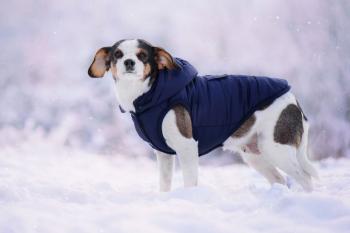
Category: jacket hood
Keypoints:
(167, 84)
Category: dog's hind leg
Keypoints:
(165, 167)
(302, 154)
(285, 158)
(253, 157)
(288, 144)
(257, 162)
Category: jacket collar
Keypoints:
(167, 84)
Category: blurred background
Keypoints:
(47, 47)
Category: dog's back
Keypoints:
(219, 105)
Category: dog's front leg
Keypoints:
(188, 158)
(165, 168)
(177, 131)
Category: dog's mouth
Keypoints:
(130, 72)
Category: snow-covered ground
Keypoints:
(46, 188)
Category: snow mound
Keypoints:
(48, 189)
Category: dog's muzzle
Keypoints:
(129, 65)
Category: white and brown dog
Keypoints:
(274, 138)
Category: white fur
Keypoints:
(302, 154)
(186, 149)
(130, 85)
(128, 90)
(165, 168)
(129, 49)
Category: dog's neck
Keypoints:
(129, 90)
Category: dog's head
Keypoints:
(132, 60)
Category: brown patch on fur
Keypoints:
(146, 70)
(114, 71)
(289, 127)
(100, 64)
(183, 121)
(164, 59)
(141, 50)
(245, 127)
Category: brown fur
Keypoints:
(100, 64)
(245, 127)
(146, 70)
(289, 127)
(141, 50)
(183, 121)
(164, 59)
(114, 70)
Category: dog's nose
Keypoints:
(129, 64)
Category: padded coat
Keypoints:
(218, 105)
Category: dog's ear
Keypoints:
(164, 59)
(101, 63)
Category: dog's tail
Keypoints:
(302, 153)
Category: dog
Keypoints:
(178, 112)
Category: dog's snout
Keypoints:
(129, 64)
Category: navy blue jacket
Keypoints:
(218, 105)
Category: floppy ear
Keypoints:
(100, 64)
(164, 59)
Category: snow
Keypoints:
(49, 188)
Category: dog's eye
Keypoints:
(118, 54)
(142, 56)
